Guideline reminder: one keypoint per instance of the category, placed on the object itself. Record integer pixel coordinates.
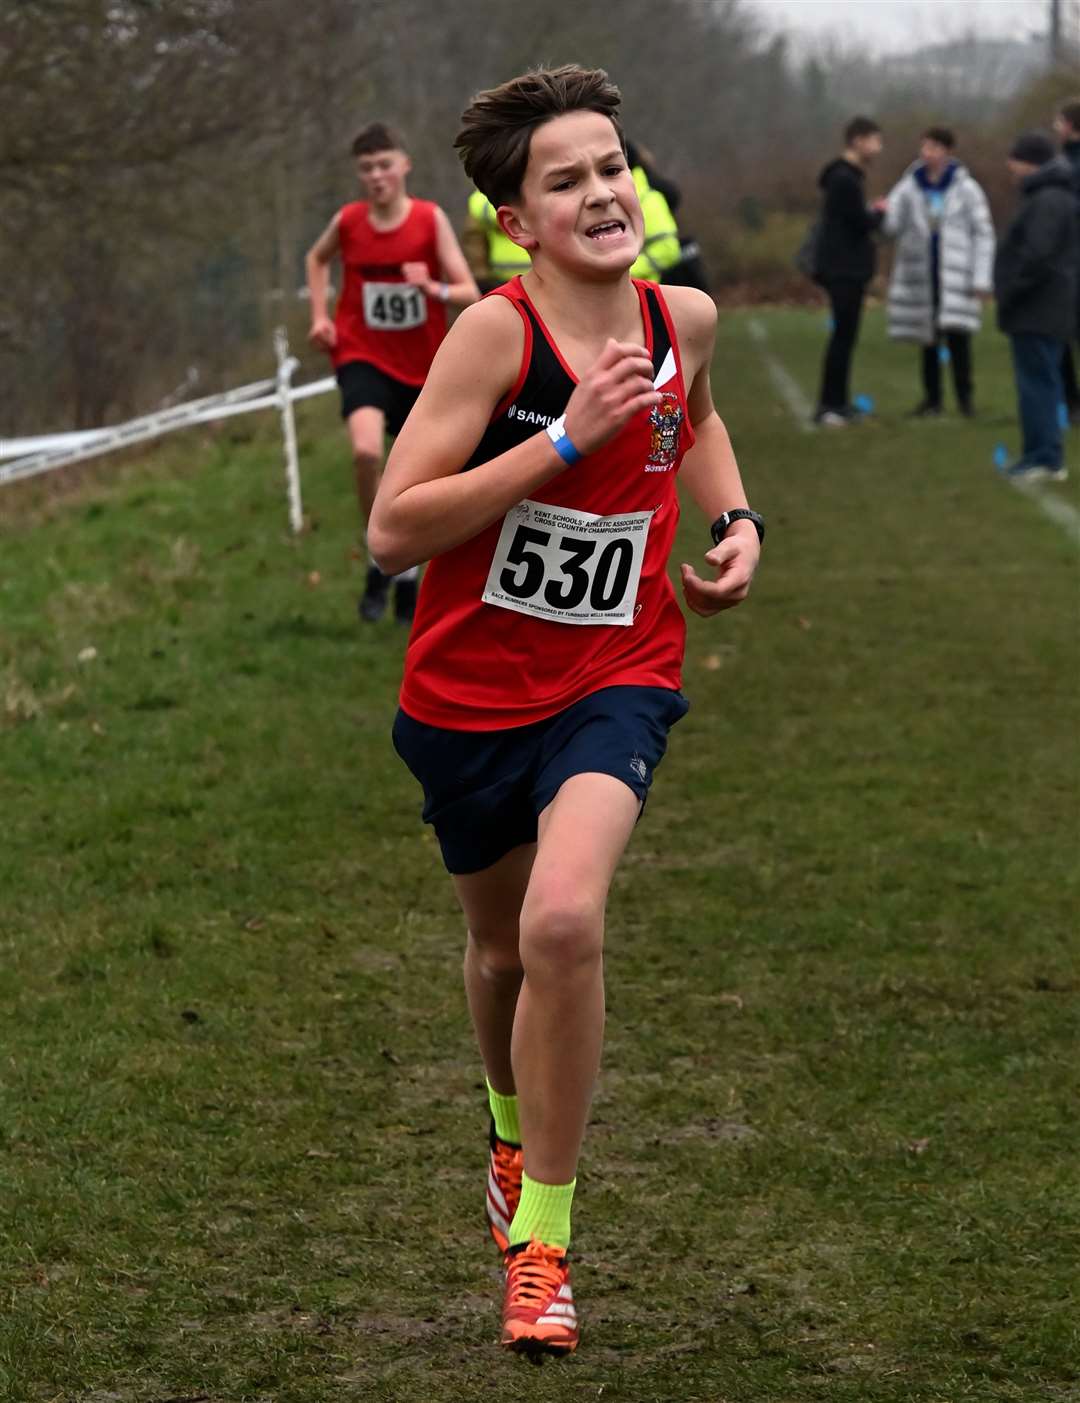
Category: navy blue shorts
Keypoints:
(484, 790)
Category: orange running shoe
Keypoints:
(538, 1309)
(503, 1188)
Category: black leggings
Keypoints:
(845, 299)
(959, 344)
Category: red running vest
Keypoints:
(379, 318)
(476, 666)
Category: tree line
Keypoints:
(165, 163)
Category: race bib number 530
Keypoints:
(569, 566)
(394, 306)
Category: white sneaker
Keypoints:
(1022, 472)
(830, 419)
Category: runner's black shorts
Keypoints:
(485, 790)
(363, 386)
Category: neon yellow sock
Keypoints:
(544, 1212)
(504, 1110)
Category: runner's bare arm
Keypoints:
(455, 270)
(317, 265)
(709, 470)
(425, 504)
(456, 284)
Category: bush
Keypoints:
(749, 263)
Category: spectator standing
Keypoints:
(1035, 279)
(1067, 126)
(845, 260)
(944, 262)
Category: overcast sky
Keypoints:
(904, 24)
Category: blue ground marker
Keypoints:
(864, 404)
(1001, 456)
(944, 355)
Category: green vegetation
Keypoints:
(758, 251)
(835, 1145)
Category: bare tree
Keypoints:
(165, 163)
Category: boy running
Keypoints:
(402, 265)
(537, 473)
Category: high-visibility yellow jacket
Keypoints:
(504, 257)
(661, 249)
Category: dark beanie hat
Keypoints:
(1035, 148)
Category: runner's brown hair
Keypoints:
(375, 137)
(497, 126)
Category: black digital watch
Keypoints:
(721, 524)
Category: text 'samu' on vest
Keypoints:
(530, 416)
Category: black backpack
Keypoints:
(808, 255)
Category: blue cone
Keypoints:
(1001, 456)
(864, 404)
(944, 355)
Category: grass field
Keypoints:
(834, 1150)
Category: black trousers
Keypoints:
(845, 299)
(959, 344)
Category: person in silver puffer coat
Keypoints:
(943, 265)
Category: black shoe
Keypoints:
(376, 595)
(926, 410)
(404, 600)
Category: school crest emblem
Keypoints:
(665, 421)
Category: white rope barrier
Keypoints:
(162, 420)
(46, 443)
(28, 457)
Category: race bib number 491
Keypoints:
(394, 306)
(568, 566)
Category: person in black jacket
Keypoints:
(1067, 126)
(1035, 282)
(845, 259)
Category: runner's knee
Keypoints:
(560, 931)
(366, 460)
(496, 960)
